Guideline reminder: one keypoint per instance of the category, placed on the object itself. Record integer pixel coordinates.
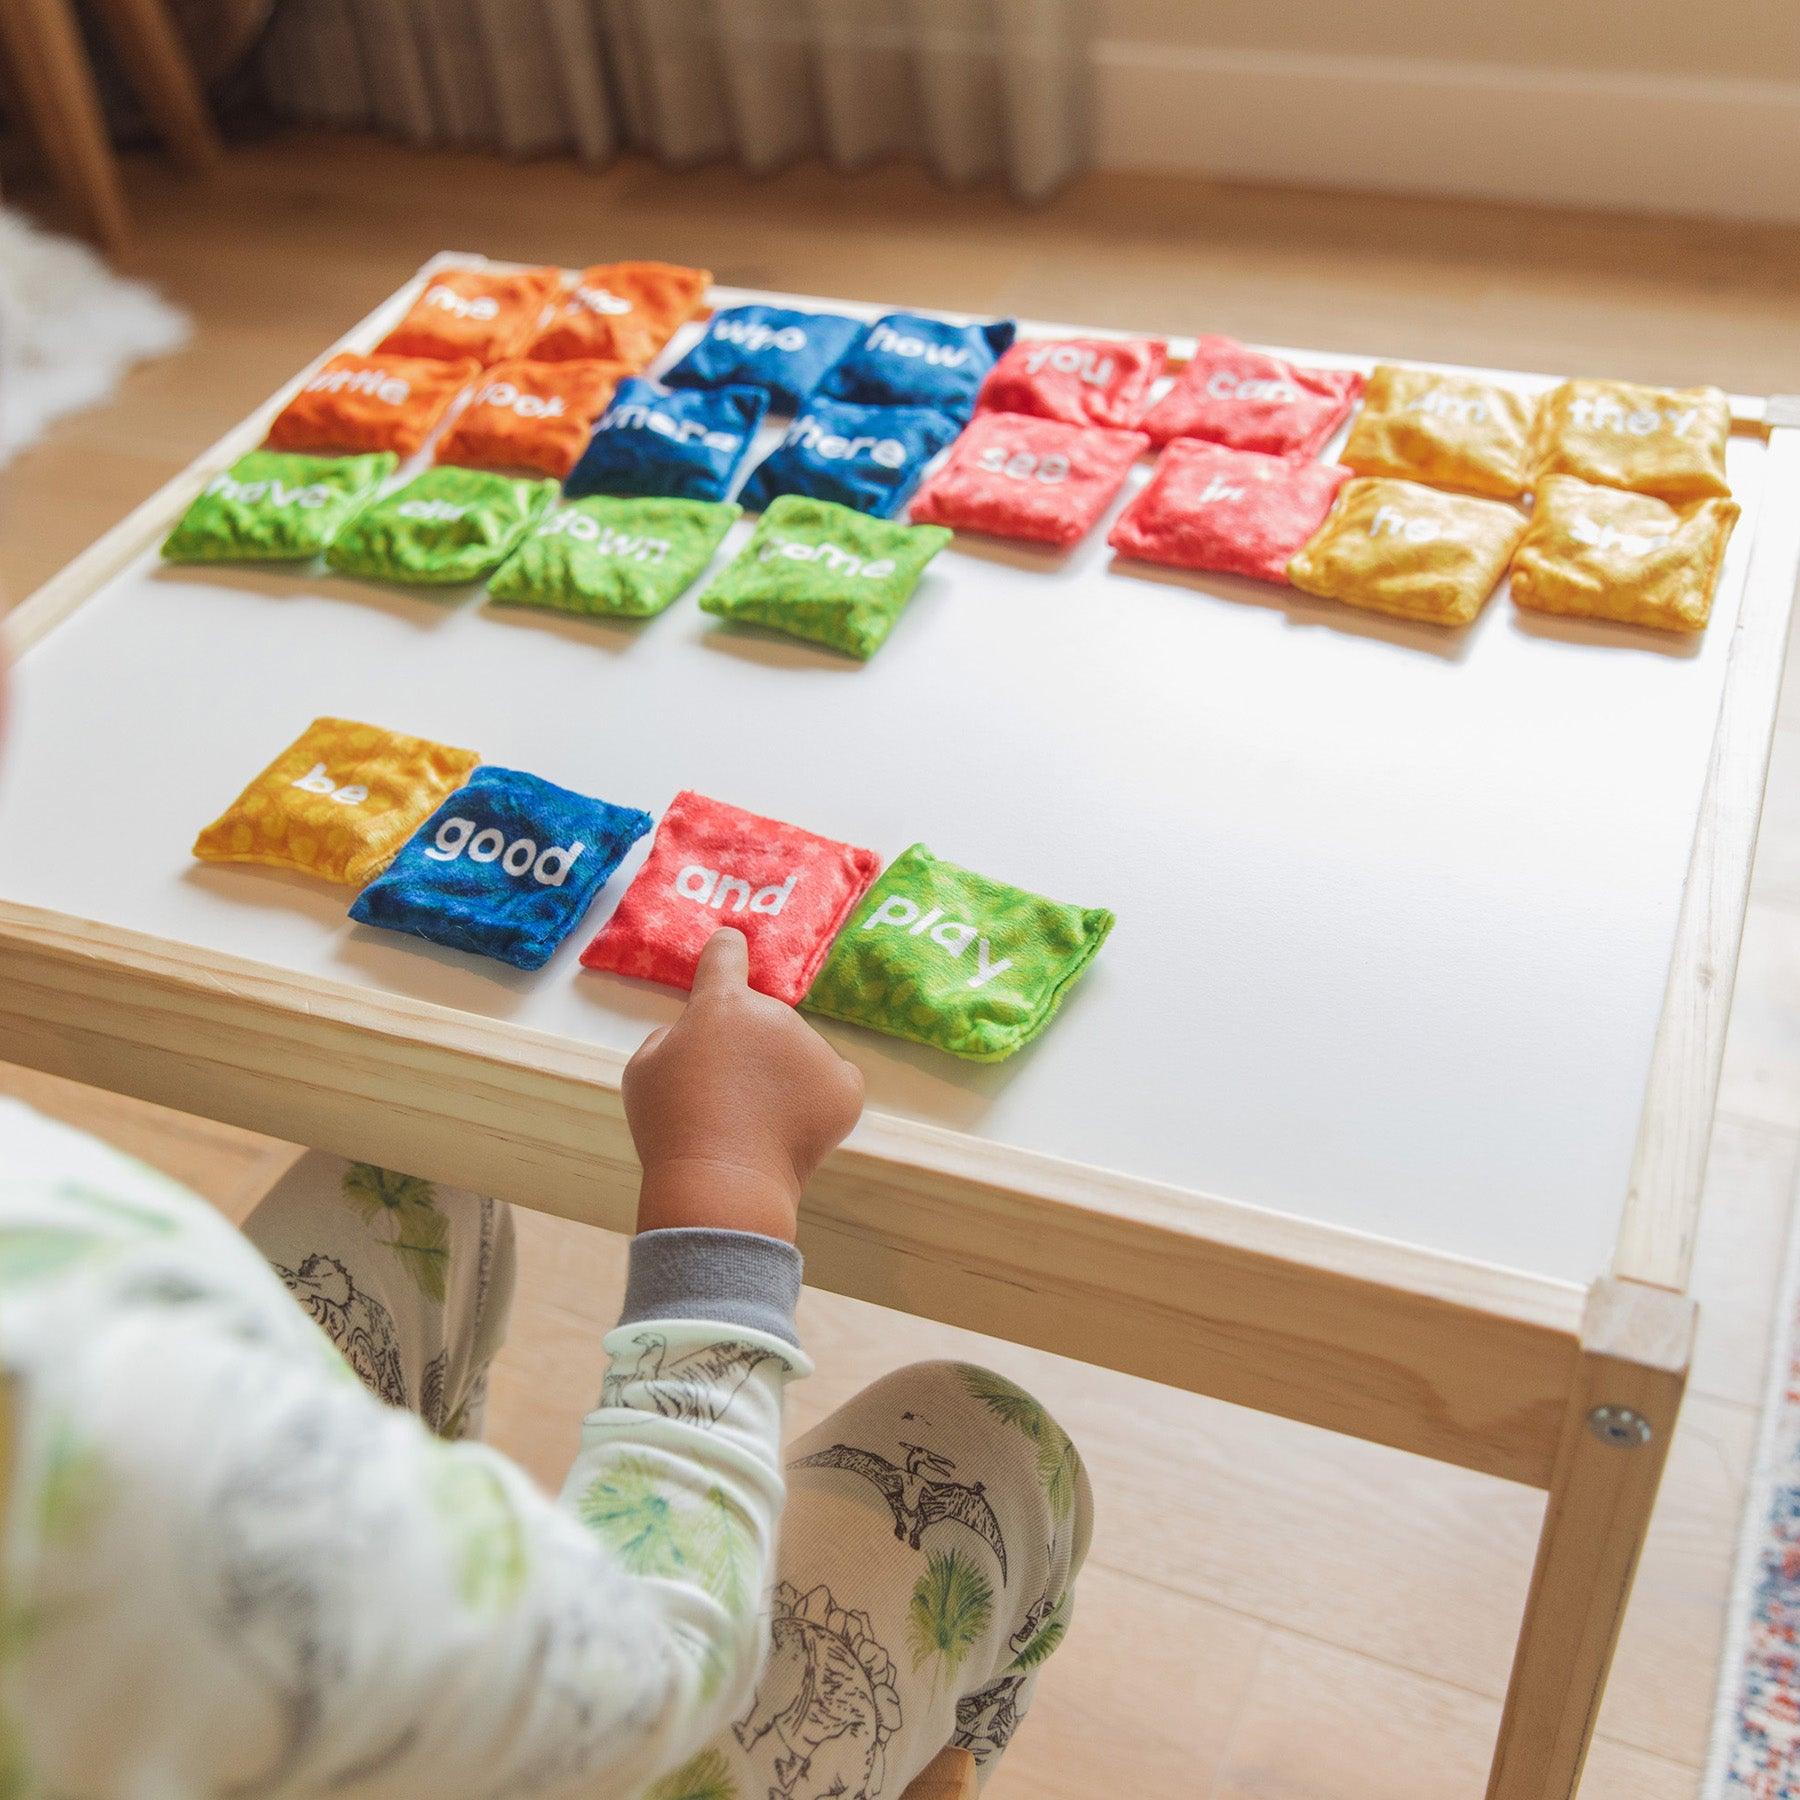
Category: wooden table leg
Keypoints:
(163, 75)
(1635, 1345)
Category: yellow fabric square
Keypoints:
(338, 802)
(1450, 430)
(1599, 553)
(1417, 552)
(1669, 442)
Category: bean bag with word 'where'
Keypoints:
(825, 572)
(1017, 477)
(868, 457)
(946, 957)
(363, 403)
(471, 312)
(1416, 552)
(905, 359)
(778, 349)
(685, 445)
(526, 415)
(604, 555)
(1454, 431)
(270, 506)
(786, 890)
(337, 803)
(1231, 394)
(620, 312)
(1082, 381)
(1669, 442)
(1601, 553)
(504, 868)
(446, 525)
(1236, 512)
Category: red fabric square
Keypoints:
(1231, 394)
(786, 890)
(1082, 381)
(1028, 478)
(1207, 507)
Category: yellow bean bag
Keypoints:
(1453, 431)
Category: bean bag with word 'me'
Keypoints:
(779, 349)
(1231, 394)
(685, 444)
(530, 415)
(1454, 431)
(1082, 381)
(620, 312)
(868, 457)
(445, 526)
(270, 506)
(370, 403)
(1669, 442)
(476, 313)
(906, 359)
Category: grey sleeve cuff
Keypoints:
(712, 1277)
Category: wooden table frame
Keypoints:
(1532, 1379)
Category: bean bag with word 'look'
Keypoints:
(1250, 400)
(1082, 381)
(779, 349)
(1454, 431)
(370, 403)
(526, 415)
(906, 359)
(786, 890)
(682, 444)
(471, 312)
(445, 526)
(868, 457)
(620, 312)
(1669, 442)
(270, 506)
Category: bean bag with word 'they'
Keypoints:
(1231, 394)
(868, 457)
(620, 312)
(906, 359)
(1082, 381)
(445, 526)
(530, 415)
(368, 403)
(1669, 442)
(474, 313)
(779, 349)
(684, 444)
(270, 506)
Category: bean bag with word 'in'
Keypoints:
(946, 957)
(620, 312)
(1012, 476)
(504, 868)
(1454, 431)
(1669, 442)
(685, 444)
(1231, 394)
(1416, 552)
(1601, 553)
(364, 403)
(337, 803)
(824, 572)
(270, 506)
(605, 555)
(779, 349)
(1236, 512)
(908, 360)
(472, 312)
(786, 890)
(868, 457)
(445, 526)
(1082, 381)
(530, 415)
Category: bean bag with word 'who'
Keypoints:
(1454, 431)
(779, 349)
(474, 312)
(368, 403)
(271, 506)
(1231, 394)
(682, 444)
(1669, 442)
(906, 359)
(620, 312)
(1082, 381)
(445, 526)
(531, 415)
(868, 457)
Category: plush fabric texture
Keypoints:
(1416, 552)
(946, 957)
(1601, 553)
(506, 867)
(604, 555)
(531, 415)
(1082, 381)
(270, 506)
(905, 359)
(1453, 431)
(621, 312)
(1231, 394)
(683, 444)
(1017, 477)
(446, 525)
(470, 312)
(365, 403)
(825, 572)
(778, 349)
(786, 890)
(1669, 442)
(1236, 512)
(337, 803)
(868, 457)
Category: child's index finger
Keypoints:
(724, 965)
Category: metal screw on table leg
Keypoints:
(1620, 1427)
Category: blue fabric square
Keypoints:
(907, 360)
(678, 446)
(505, 867)
(868, 457)
(775, 348)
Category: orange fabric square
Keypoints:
(470, 312)
(531, 415)
(621, 312)
(358, 403)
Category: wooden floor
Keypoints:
(1270, 1611)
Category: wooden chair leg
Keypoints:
(950, 1775)
(163, 75)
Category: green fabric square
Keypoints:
(609, 555)
(946, 957)
(271, 506)
(826, 572)
(445, 526)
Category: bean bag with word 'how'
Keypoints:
(270, 506)
(1082, 381)
(504, 868)
(905, 359)
(683, 445)
(338, 802)
(786, 890)
(946, 957)
(367, 403)
(620, 312)
(471, 312)
(779, 349)
(1669, 442)
(445, 526)
(868, 457)
(1454, 431)
(1231, 394)
(530, 415)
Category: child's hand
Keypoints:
(735, 1105)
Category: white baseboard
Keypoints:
(1721, 147)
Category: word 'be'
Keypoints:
(317, 781)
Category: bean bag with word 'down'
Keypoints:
(475, 313)
(1082, 381)
(370, 403)
(780, 349)
(445, 526)
(1669, 442)
(906, 359)
(526, 415)
(866, 457)
(683, 444)
(1454, 431)
(270, 506)
(620, 312)
(1231, 394)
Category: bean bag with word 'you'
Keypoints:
(1454, 431)
(445, 526)
(685, 444)
(270, 506)
(950, 958)
(1231, 394)
(823, 572)
(779, 349)
(906, 359)
(620, 312)
(504, 868)
(785, 889)
(868, 457)
(1082, 381)
(1669, 442)
(367, 403)
(472, 312)
(531, 415)
(337, 802)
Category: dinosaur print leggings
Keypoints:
(933, 1528)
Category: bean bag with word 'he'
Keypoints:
(906, 359)
(868, 457)
(270, 506)
(1669, 442)
(779, 349)
(1082, 381)
(620, 312)
(370, 403)
(526, 415)
(680, 444)
(445, 526)
(475, 313)
(1231, 394)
